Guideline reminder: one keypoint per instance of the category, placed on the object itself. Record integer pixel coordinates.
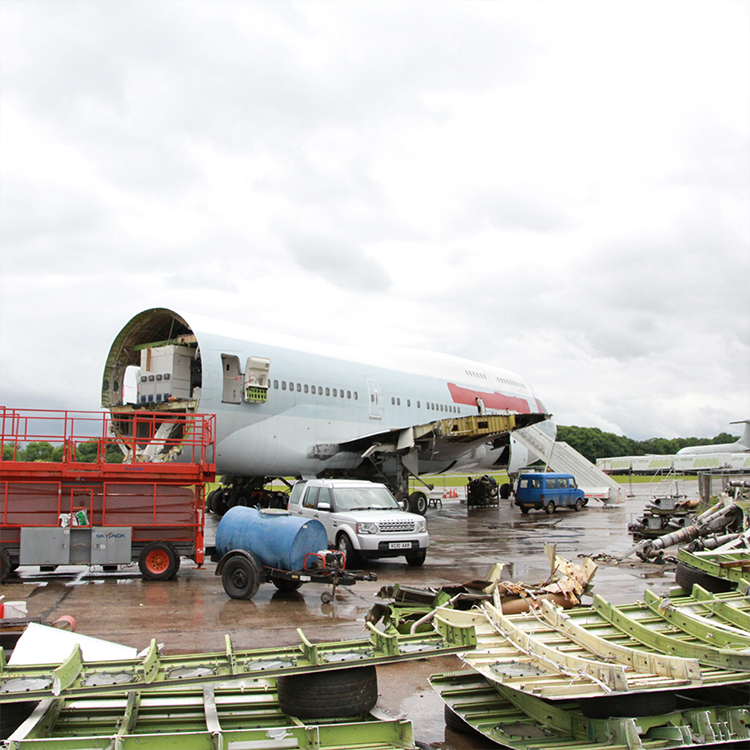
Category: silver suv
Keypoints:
(362, 519)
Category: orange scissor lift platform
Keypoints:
(79, 507)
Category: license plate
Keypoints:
(399, 545)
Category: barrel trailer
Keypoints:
(79, 507)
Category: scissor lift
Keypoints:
(149, 509)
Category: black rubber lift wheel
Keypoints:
(241, 577)
(686, 575)
(158, 561)
(328, 695)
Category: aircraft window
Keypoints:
(408, 402)
(283, 385)
(348, 394)
(393, 401)
(341, 393)
(335, 393)
(328, 391)
(313, 389)
(276, 385)
(398, 402)
(356, 396)
(291, 386)
(307, 388)
(419, 405)
(372, 398)
(299, 387)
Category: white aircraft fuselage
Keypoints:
(289, 407)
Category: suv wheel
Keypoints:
(416, 559)
(345, 545)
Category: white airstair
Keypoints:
(561, 457)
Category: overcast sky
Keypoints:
(559, 188)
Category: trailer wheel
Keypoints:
(286, 584)
(6, 567)
(418, 503)
(158, 561)
(328, 695)
(241, 577)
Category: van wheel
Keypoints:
(579, 504)
(549, 508)
(524, 509)
(158, 561)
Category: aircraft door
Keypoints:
(232, 386)
(376, 399)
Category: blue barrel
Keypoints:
(278, 538)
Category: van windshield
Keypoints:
(364, 498)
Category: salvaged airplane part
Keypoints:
(237, 714)
(605, 650)
(714, 571)
(716, 519)
(524, 722)
(154, 671)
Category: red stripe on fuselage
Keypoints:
(493, 400)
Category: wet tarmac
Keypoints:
(192, 613)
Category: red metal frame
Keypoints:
(162, 500)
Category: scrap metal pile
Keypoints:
(724, 525)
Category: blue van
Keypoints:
(548, 492)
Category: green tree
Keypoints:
(38, 452)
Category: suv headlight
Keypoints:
(421, 525)
(367, 528)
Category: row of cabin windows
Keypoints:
(318, 390)
(504, 381)
(395, 401)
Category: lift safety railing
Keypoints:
(145, 438)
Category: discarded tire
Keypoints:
(686, 576)
(328, 695)
(456, 723)
(637, 704)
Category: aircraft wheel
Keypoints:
(211, 500)
(418, 503)
(240, 577)
(403, 500)
(158, 561)
(549, 508)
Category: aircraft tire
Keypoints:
(240, 577)
(418, 503)
(211, 500)
(328, 695)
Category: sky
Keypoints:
(558, 188)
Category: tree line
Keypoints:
(44, 451)
(593, 443)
